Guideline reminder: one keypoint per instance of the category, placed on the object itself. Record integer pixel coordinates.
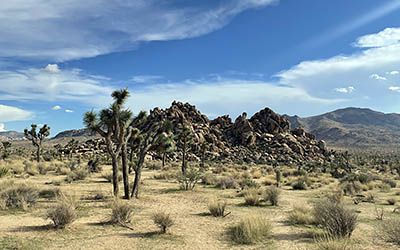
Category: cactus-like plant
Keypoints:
(37, 137)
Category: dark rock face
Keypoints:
(264, 138)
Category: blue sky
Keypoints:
(59, 59)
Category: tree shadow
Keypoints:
(34, 228)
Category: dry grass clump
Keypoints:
(392, 183)
(50, 193)
(301, 216)
(121, 212)
(217, 208)
(252, 197)
(209, 179)
(63, 213)
(227, 183)
(163, 221)
(389, 231)
(334, 218)
(300, 184)
(165, 175)
(3, 171)
(351, 187)
(20, 196)
(329, 243)
(251, 229)
(272, 195)
(78, 174)
(42, 168)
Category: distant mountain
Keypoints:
(11, 136)
(354, 127)
(74, 133)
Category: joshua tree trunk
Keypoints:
(184, 158)
(163, 159)
(38, 148)
(114, 161)
(138, 173)
(125, 175)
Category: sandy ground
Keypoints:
(193, 229)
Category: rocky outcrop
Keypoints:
(263, 138)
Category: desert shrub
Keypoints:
(209, 179)
(163, 221)
(364, 178)
(109, 176)
(217, 208)
(50, 193)
(227, 183)
(94, 166)
(351, 187)
(251, 229)
(121, 212)
(42, 168)
(19, 196)
(385, 187)
(390, 182)
(61, 170)
(63, 213)
(77, 175)
(248, 183)
(256, 173)
(272, 195)
(335, 196)
(300, 184)
(3, 171)
(389, 231)
(391, 201)
(301, 216)
(252, 197)
(165, 175)
(189, 180)
(334, 218)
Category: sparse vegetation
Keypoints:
(163, 221)
(272, 195)
(63, 213)
(121, 212)
(251, 229)
(217, 208)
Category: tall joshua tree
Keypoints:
(165, 145)
(113, 125)
(37, 137)
(147, 133)
(185, 140)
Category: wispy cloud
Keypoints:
(10, 113)
(61, 85)
(59, 31)
(346, 90)
(57, 107)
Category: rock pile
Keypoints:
(264, 138)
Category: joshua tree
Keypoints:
(37, 137)
(165, 145)
(113, 125)
(5, 145)
(185, 140)
(204, 147)
(147, 133)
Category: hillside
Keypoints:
(352, 127)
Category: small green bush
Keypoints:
(251, 229)
(163, 221)
(217, 208)
(334, 218)
(3, 171)
(299, 184)
(272, 195)
(63, 213)
(121, 212)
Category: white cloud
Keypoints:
(57, 107)
(394, 88)
(146, 78)
(378, 77)
(69, 111)
(387, 37)
(52, 68)
(59, 30)
(42, 85)
(346, 90)
(10, 113)
(394, 72)
(2, 127)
